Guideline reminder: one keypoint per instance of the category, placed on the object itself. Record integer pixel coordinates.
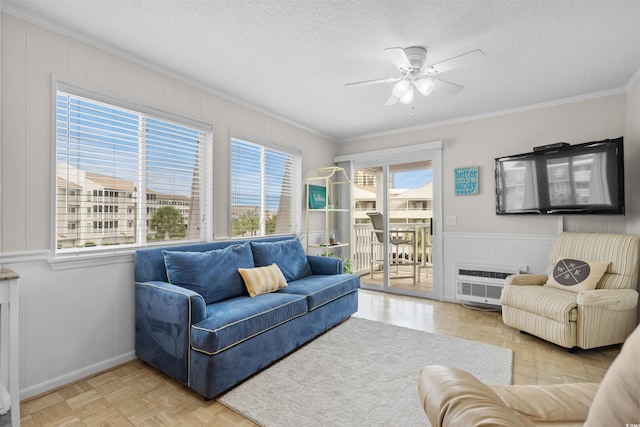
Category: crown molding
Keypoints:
(634, 79)
(557, 102)
(123, 54)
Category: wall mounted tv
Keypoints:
(572, 179)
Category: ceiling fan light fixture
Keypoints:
(407, 97)
(425, 86)
(401, 88)
(410, 62)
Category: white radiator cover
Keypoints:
(483, 283)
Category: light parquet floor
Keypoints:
(135, 394)
(423, 282)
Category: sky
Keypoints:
(413, 179)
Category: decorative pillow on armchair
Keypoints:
(287, 254)
(576, 275)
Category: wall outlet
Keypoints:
(451, 220)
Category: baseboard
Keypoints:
(70, 377)
(449, 299)
(472, 304)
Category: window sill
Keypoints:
(83, 260)
(101, 256)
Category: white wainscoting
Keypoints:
(73, 322)
(492, 249)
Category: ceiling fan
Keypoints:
(410, 61)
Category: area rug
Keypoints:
(360, 373)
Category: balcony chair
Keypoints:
(452, 397)
(587, 298)
(398, 239)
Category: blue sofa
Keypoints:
(196, 322)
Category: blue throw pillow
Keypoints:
(287, 254)
(212, 274)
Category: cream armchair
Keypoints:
(570, 316)
(452, 397)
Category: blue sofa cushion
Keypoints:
(233, 321)
(287, 254)
(213, 274)
(321, 290)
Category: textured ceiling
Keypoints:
(292, 58)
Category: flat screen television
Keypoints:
(574, 179)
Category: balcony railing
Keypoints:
(363, 237)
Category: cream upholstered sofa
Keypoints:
(452, 397)
(567, 313)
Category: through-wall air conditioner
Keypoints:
(483, 283)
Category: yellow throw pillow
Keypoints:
(261, 280)
(576, 275)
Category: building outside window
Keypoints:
(115, 163)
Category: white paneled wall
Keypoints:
(632, 153)
(527, 251)
(80, 319)
(73, 322)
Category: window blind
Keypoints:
(264, 189)
(124, 177)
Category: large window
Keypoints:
(124, 177)
(265, 189)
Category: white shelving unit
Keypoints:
(329, 198)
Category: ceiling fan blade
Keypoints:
(455, 62)
(399, 58)
(373, 82)
(447, 87)
(391, 100)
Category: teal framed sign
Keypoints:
(466, 180)
(317, 197)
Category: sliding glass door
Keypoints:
(395, 224)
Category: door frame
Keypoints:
(430, 151)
